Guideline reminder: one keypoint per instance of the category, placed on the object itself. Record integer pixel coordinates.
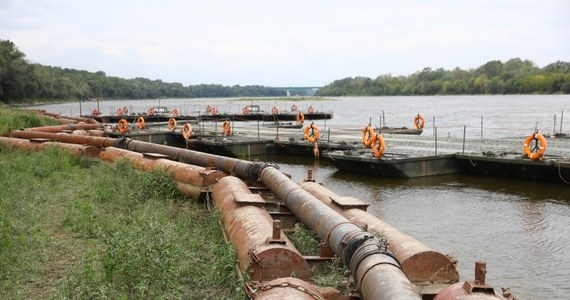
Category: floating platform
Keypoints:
(400, 130)
(262, 116)
(392, 165)
(516, 166)
(304, 148)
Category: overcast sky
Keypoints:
(283, 43)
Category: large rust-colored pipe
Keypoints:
(288, 288)
(75, 149)
(66, 138)
(419, 262)
(374, 269)
(263, 251)
(191, 180)
(59, 128)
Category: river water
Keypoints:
(520, 228)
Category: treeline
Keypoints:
(493, 78)
(21, 81)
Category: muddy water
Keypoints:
(520, 228)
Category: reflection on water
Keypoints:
(518, 227)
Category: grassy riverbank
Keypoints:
(73, 228)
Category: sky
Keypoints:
(283, 43)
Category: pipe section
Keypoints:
(59, 128)
(418, 261)
(476, 289)
(374, 268)
(288, 288)
(74, 149)
(263, 251)
(191, 180)
(100, 142)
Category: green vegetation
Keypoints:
(21, 81)
(16, 119)
(76, 228)
(512, 77)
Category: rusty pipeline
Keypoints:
(263, 251)
(418, 261)
(34, 145)
(240, 168)
(59, 128)
(375, 270)
(476, 289)
(66, 138)
(191, 180)
(288, 288)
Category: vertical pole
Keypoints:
(329, 140)
(277, 126)
(257, 128)
(481, 127)
(435, 129)
(80, 111)
(464, 129)
(433, 121)
(561, 121)
(97, 105)
(383, 119)
(554, 128)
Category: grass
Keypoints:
(72, 229)
(11, 119)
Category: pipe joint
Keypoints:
(373, 246)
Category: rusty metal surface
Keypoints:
(66, 138)
(78, 150)
(289, 288)
(471, 289)
(58, 128)
(250, 229)
(418, 261)
(377, 279)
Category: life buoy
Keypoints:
(538, 147)
(172, 124)
(310, 110)
(175, 112)
(313, 136)
(141, 123)
(368, 136)
(123, 126)
(226, 127)
(187, 131)
(300, 117)
(95, 113)
(120, 112)
(245, 110)
(150, 111)
(378, 145)
(419, 122)
(274, 110)
(293, 107)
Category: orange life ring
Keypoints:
(141, 123)
(537, 150)
(245, 110)
(95, 113)
(300, 117)
(419, 122)
(274, 110)
(310, 110)
(378, 145)
(120, 112)
(150, 111)
(293, 107)
(172, 124)
(175, 112)
(226, 127)
(368, 136)
(314, 135)
(123, 126)
(187, 131)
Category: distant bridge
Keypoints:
(298, 90)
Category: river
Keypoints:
(520, 228)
